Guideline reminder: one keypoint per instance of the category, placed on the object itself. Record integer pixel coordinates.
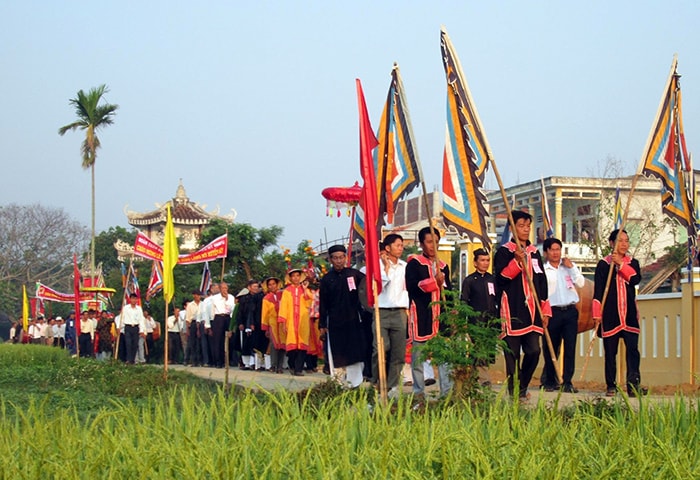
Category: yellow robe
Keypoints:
(269, 321)
(294, 314)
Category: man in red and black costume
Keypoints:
(426, 276)
(620, 319)
(522, 324)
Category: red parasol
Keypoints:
(338, 198)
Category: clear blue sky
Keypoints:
(253, 104)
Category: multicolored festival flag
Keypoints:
(205, 284)
(170, 255)
(466, 154)
(368, 200)
(546, 218)
(155, 284)
(666, 157)
(395, 158)
(132, 285)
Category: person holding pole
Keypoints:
(340, 318)
(563, 276)
(393, 313)
(426, 276)
(515, 264)
(618, 318)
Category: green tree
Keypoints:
(463, 344)
(91, 117)
(248, 251)
(105, 252)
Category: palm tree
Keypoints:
(91, 117)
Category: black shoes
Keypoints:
(429, 381)
(569, 388)
(634, 392)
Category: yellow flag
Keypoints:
(25, 310)
(170, 254)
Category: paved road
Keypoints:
(272, 381)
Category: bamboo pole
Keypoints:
(165, 348)
(381, 357)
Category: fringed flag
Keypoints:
(155, 284)
(466, 154)
(205, 284)
(666, 157)
(546, 218)
(395, 158)
(132, 285)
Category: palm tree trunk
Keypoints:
(92, 243)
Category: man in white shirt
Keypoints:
(393, 312)
(563, 276)
(193, 351)
(204, 318)
(222, 305)
(133, 322)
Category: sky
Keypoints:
(253, 104)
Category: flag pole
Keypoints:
(637, 174)
(227, 338)
(165, 348)
(381, 357)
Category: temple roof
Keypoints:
(184, 212)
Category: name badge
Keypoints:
(569, 282)
(536, 265)
(492, 290)
(351, 284)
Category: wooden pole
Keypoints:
(381, 357)
(165, 349)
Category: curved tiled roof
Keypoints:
(184, 212)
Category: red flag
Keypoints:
(368, 200)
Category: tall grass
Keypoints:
(187, 432)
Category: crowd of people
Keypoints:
(290, 324)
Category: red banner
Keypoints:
(146, 248)
(217, 248)
(45, 293)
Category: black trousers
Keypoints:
(525, 368)
(632, 358)
(295, 359)
(131, 342)
(219, 325)
(193, 352)
(85, 342)
(563, 326)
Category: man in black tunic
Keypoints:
(426, 277)
(522, 324)
(340, 317)
(479, 292)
